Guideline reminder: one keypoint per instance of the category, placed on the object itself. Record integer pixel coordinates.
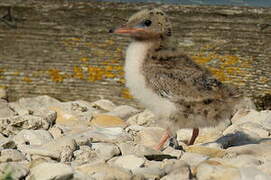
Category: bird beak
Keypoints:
(127, 30)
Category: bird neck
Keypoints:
(157, 44)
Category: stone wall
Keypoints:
(63, 48)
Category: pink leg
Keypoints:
(163, 139)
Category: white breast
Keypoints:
(135, 81)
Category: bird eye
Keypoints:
(147, 22)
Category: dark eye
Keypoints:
(147, 22)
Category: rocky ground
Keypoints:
(42, 138)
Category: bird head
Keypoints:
(146, 24)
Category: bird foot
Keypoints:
(163, 140)
(174, 143)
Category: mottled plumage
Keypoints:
(182, 93)
(200, 99)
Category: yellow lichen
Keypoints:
(109, 68)
(95, 73)
(55, 75)
(78, 72)
(224, 67)
(16, 73)
(220, 75)
(27, 79)
(126, 94)
(109, 42)
(84, 59)
(109, 75)
(74, 39)
(230, 60)
(121, 80)
(264, 79)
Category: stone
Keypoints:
(107, 121)
(216, 171)
(110, 135)
(214, 145)
(19, 109)
(129, 162)
(265, 167)
(236, 139)
(61, 149)
(39, 160)
(207, 151)
(128, 148)
(243, 161)
(56, 132)
(239, 116)
(184, 134)
(251, 132)
(69, 118)
(11, 155)
(38, 104)
(5, 110)
(264, 118)
(149, 136)
(105, 150)
(123, 111)
(32, 137)
(49, 171)
(81, 137)
(12, 125)
(104, 171)
(176, 170)
(245, 104)
(261, 117)
(144, 118)
(13, 170)
(80, 176)
(193, 159)
(86, 155)
(211, 134)
(74, 113)
(154, 164)
(6, 143)
(252, 173)
(262, 151)
(173, 152)
(170, 165)
(104, 104)
(134, 129)
(50, 117)
(149, 172)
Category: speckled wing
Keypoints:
(176, 77)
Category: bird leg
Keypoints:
(167, 135)
(195, 134)
(163, 140)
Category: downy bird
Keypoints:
(179, 91)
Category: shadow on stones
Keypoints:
(236, 139)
